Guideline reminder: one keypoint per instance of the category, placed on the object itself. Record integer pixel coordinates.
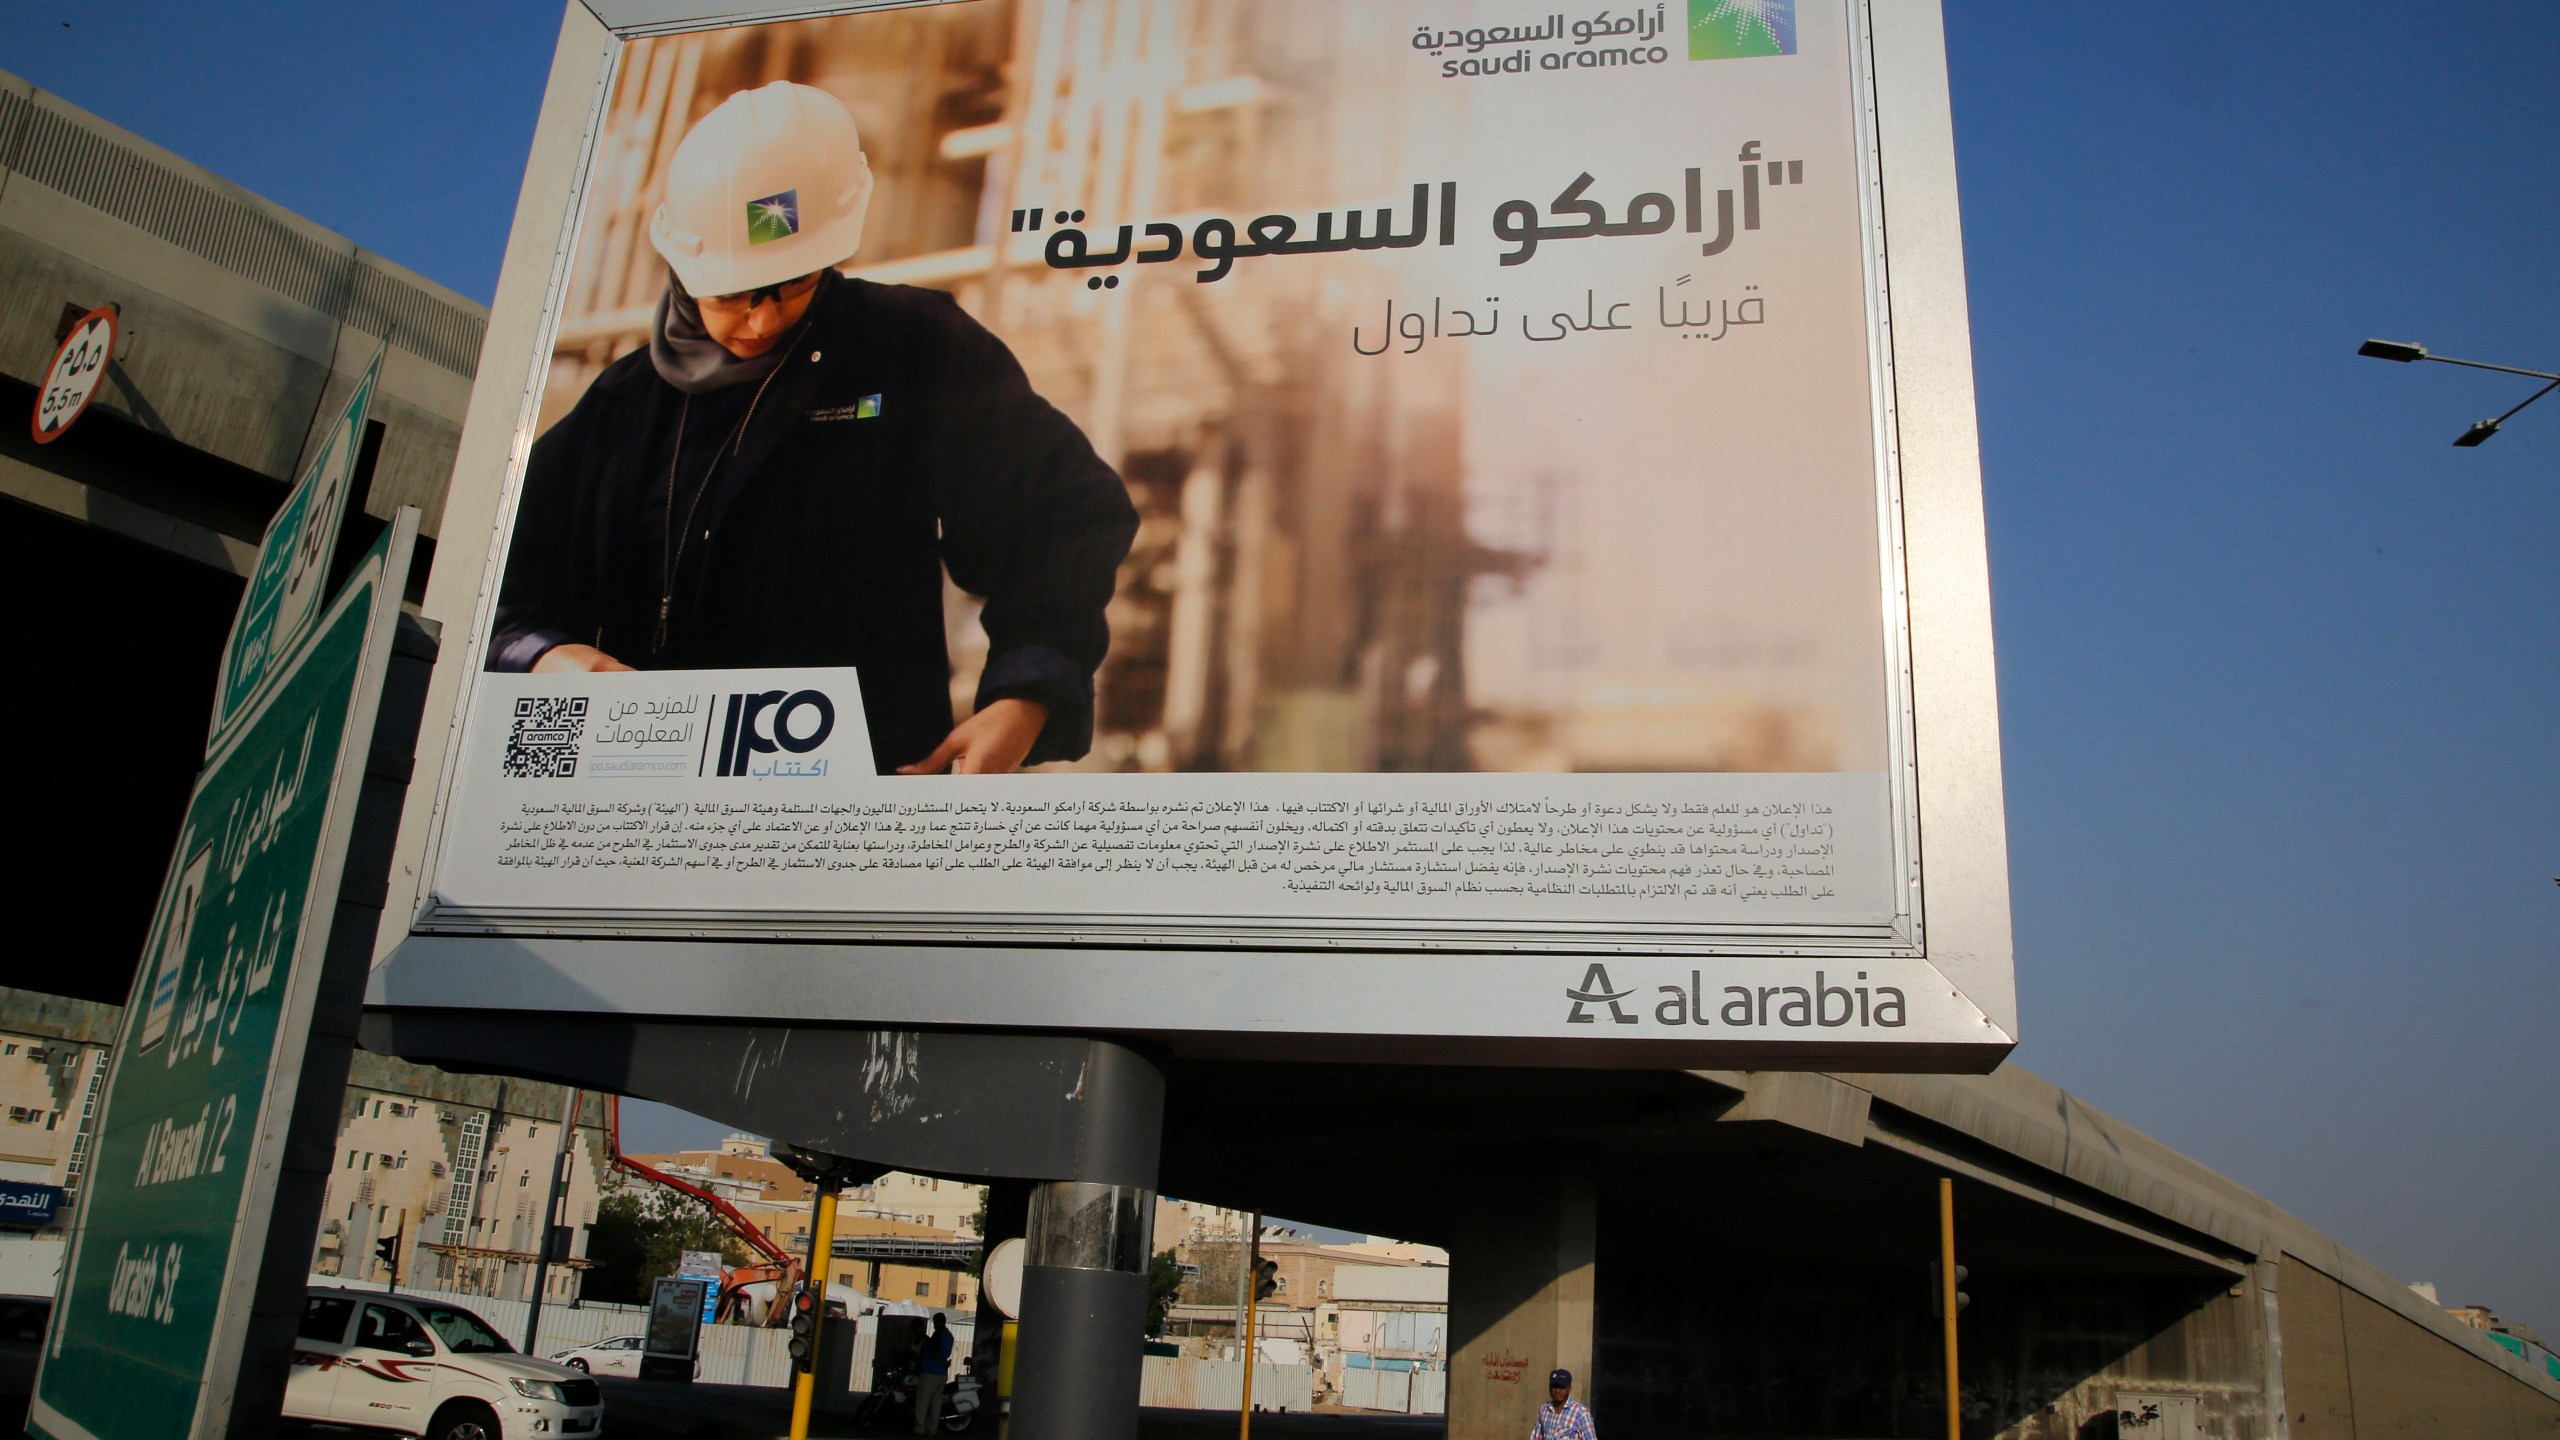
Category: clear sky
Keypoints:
(2280, 669)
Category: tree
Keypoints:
(1213, 1277)
(1164, 1282)
(642, 1232)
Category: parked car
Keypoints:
(617, 1356)
(403, 1365)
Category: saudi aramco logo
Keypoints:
(1737, 29)
(777, 217)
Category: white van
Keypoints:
(394, 1364)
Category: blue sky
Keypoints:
(2280, 669)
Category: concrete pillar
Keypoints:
(1081, 1348)
(1521, 1276)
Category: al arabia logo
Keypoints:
(1739, 29)
(1596, 990)
(777, 216)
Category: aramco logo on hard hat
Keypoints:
(1739, 29)
(775, 217)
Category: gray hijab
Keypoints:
(688, 358)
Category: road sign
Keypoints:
(284, 590)
(147, 1334)
(72, 380)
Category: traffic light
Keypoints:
(1266, 1280)
(1938, 1290)
(387, 1250)
(804, 1327)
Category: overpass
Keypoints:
(1717, 1253)
(1748, 1254)
(918, 1251)
(242, 327)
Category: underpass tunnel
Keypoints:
(113, 650)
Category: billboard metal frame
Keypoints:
(1460, 992)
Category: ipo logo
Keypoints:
(1739, 29)
(763, 723)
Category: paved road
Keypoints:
(658, 1410)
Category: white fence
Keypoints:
(1404, 1392)
(1184, 1383)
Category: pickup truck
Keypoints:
(382, 1364)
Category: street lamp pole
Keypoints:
(2406, 353)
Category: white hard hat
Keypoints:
(769, 186)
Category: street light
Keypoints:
(2404, 353)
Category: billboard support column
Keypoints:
(1084, 1283)
(1523, 1275)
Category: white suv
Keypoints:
(409, 1366)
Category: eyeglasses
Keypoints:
(740, 302)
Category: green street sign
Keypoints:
(283, 594)
(146, 1337)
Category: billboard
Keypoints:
(1137, 515)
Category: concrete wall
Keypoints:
(2356, 1370)
(1521, 1291)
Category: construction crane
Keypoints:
(780, 1266)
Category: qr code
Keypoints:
(544, 742)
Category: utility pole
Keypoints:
(1947, 1296)
(822, 1249)
(550, 1221)
(1248, 1269)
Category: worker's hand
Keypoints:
(566, 659)
(991, 742)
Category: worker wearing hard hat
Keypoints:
(783, 476)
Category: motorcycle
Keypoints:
(895, 1400)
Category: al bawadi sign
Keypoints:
(283, 594)
(156, 1289)
(1508, 586)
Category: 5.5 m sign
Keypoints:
(71, 381)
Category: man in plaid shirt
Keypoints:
(1562, 1417)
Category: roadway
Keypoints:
(661, 1410)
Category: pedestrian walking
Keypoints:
(1562, 1417)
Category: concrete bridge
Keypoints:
(124, 543)
(1734, 1254)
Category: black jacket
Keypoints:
(897, 438)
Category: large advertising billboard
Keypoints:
(1172, 493)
